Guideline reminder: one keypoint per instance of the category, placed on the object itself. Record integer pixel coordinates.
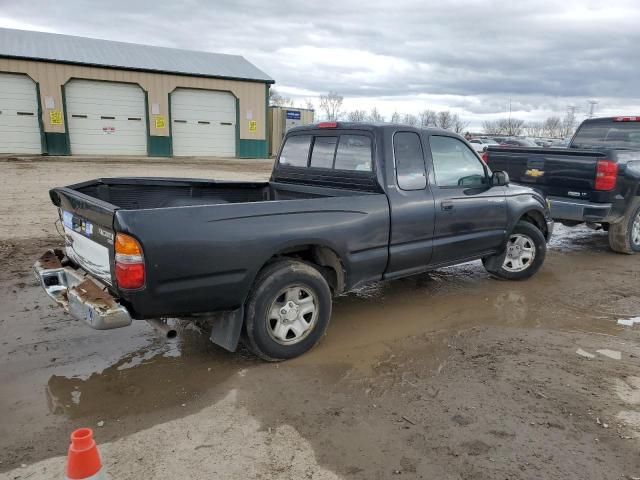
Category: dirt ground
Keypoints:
(447, 375)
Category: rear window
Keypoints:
(354, 153)
(295, 152)
(607, 134)
(324, 148)
(343, 152)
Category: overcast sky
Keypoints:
(467, 56)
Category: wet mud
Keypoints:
(447, 372)
(450, 374)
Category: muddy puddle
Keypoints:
(384, 341)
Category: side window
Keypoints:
(354, 153)
(407, 151)
(323, 151)
(295, 152)
(455, 165)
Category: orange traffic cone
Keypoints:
(84, 459)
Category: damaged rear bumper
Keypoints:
(79, 294)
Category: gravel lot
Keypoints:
(448, 375)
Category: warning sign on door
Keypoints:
(253, 126)
(55, 116)
(160, 122)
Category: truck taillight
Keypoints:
(627, 119)
(485, 157)
(129, 262)
(328, 125)
(606, 175)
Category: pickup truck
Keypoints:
(346, 204)
(596, 180)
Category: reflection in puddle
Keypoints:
(165, 374)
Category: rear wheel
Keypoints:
(523, 255)
(624, 236)
(288, 310)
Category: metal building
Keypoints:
(64, 95)
(281, 119)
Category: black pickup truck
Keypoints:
(595, 180)
(346, 204)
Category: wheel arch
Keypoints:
(331, 264)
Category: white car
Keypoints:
(481, 144)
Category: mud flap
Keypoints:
(226, 328)
(494, 262)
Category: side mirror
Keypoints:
(499, 179)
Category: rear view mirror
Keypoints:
(500, 179)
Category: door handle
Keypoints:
(446, 205)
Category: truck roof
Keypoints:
(370, 126)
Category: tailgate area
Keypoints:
(78, 293)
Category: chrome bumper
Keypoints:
(79, 294)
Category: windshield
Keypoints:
(608, 134)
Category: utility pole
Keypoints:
(592, 107)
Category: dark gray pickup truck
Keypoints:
(596, 180)
(346, 204)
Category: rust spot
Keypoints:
(89, 292)
(51, 259)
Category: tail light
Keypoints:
(130, 273)
(328, 125)
(626, 119)
(606, 175)
(485, 157)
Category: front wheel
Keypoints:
(523, 255)
(288, 310)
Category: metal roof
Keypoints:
(104, 53)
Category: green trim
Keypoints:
(267, 119)
(253, 149)
(64, 114)
(170, 122)
(238, 128)
(43, 140)
(146, 116)
(57, 143)
(159, 146)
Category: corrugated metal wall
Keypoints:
(277, 123)
(52, 76)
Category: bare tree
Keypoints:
(331, 105)
(309, 104)
(491, 127)
(552, 127)
(410, 119)
(568, 124)
(428, 118)
(278, 100)
(534, 129)
(375, 116)
(444, 120)
(357, 116)
(395, 118)
(459, 125)
(510, 126)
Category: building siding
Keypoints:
(51, 77)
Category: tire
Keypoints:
(525, 238)
(624, 236)
(288, 310)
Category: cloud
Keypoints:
(468, 55)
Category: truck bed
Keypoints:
(184, 225)
(145, 193)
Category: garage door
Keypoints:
(203, 123)
(106, 118)
(19, 126)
